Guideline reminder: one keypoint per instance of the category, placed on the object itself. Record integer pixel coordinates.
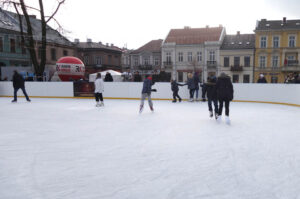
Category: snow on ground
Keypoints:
(69, 149)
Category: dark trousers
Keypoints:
(215, 105)
(175, 94)
(226, 106)
(24, 91)
(192, 93)
(99, 96)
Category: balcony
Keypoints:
(211, 64)
(290, 69)
(168, 64)
(292, 63)
(236, 68)
(145, 67)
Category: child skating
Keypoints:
(146, 93)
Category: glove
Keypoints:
(153, 90)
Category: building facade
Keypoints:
(237, 57)
(192, 50)
(277, 49)
(98, 57)
(147, 59)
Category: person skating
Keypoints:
(146, 93)
(175, 89)
(211, 92)
(224, 90)
(99, 89)
(196, 82)
(262, 79)
(19, 83)
(191, 86)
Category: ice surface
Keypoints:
(70, 149)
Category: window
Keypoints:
(98, 61)
(262, 61)
(275, 61)
(263, 42)
(180, 57)
(53, 54)
(180, 76)
(247, 61)
(246, 79)
(65, 53)
(235, 78)
(236, 61)
(23, 47)
(156, 61)
(211, 55)
(275, 42)
(190, 56)
(292, 41)
(168, 56)
(109, 59)
(199, 56)
(136, 61)
(86, 60)
(226, 61)
(12, 45)
(146, 61)
(1, 44)
(274, 79)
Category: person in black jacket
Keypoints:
(19, 83)
(210, 90)
(262, 79)
(108, 77)
(224, 90)
(175, 89)
(146, 93)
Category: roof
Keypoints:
(10, 21)
(95, 45)
(265, 25)
(194, 35)
(152, 46)
(239, 41)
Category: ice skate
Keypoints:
(151, 108)
(219, 118)
(216, 116)
(227, 120)
(197, 100)
(14, 101)
(174, 101)
(97, 104)
(141, 109)
(211, 114)
(28, 100)
(180, 100)
(191, 100)
(101, 104)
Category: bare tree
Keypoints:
(27, 38)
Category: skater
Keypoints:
(108, 77)
(175, 89)
(191, 86)
(146, 93)
(262, 79)
(99, 89)
(196, 82)
(19, 83)
(224, 90)
(210, 87)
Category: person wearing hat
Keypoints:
(175, 89)
(99, 89)
(146, 93)
(262, 79)
(210, 90)
(224, 90)
(19, 83)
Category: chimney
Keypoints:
(107, 44)
(238, 33)
(76, 41)
(100, 42)
(187, 27)
(220, 26)
(284, 20)
(111, 45)
(207, 26)
(89, 40)
(264, 20)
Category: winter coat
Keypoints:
(99, 85)
(262, 80)
(210, 89)
(147, 86)
(224, 88)
(108, 78)
(18, 81)
(191, 83)
(174, 86)
(196, 81)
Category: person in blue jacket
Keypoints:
(146, 93)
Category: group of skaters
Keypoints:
(219, 91)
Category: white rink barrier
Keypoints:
(270, 93)
(39, 89)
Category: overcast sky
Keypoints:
(136, 22)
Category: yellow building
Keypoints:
(277, 49)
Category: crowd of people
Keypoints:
(292, 78)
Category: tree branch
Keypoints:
(59, 4)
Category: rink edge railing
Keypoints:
(164, 99)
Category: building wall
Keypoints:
(238, 53)
(282, 52)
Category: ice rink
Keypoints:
(70, 149)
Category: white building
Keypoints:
(192, 50)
